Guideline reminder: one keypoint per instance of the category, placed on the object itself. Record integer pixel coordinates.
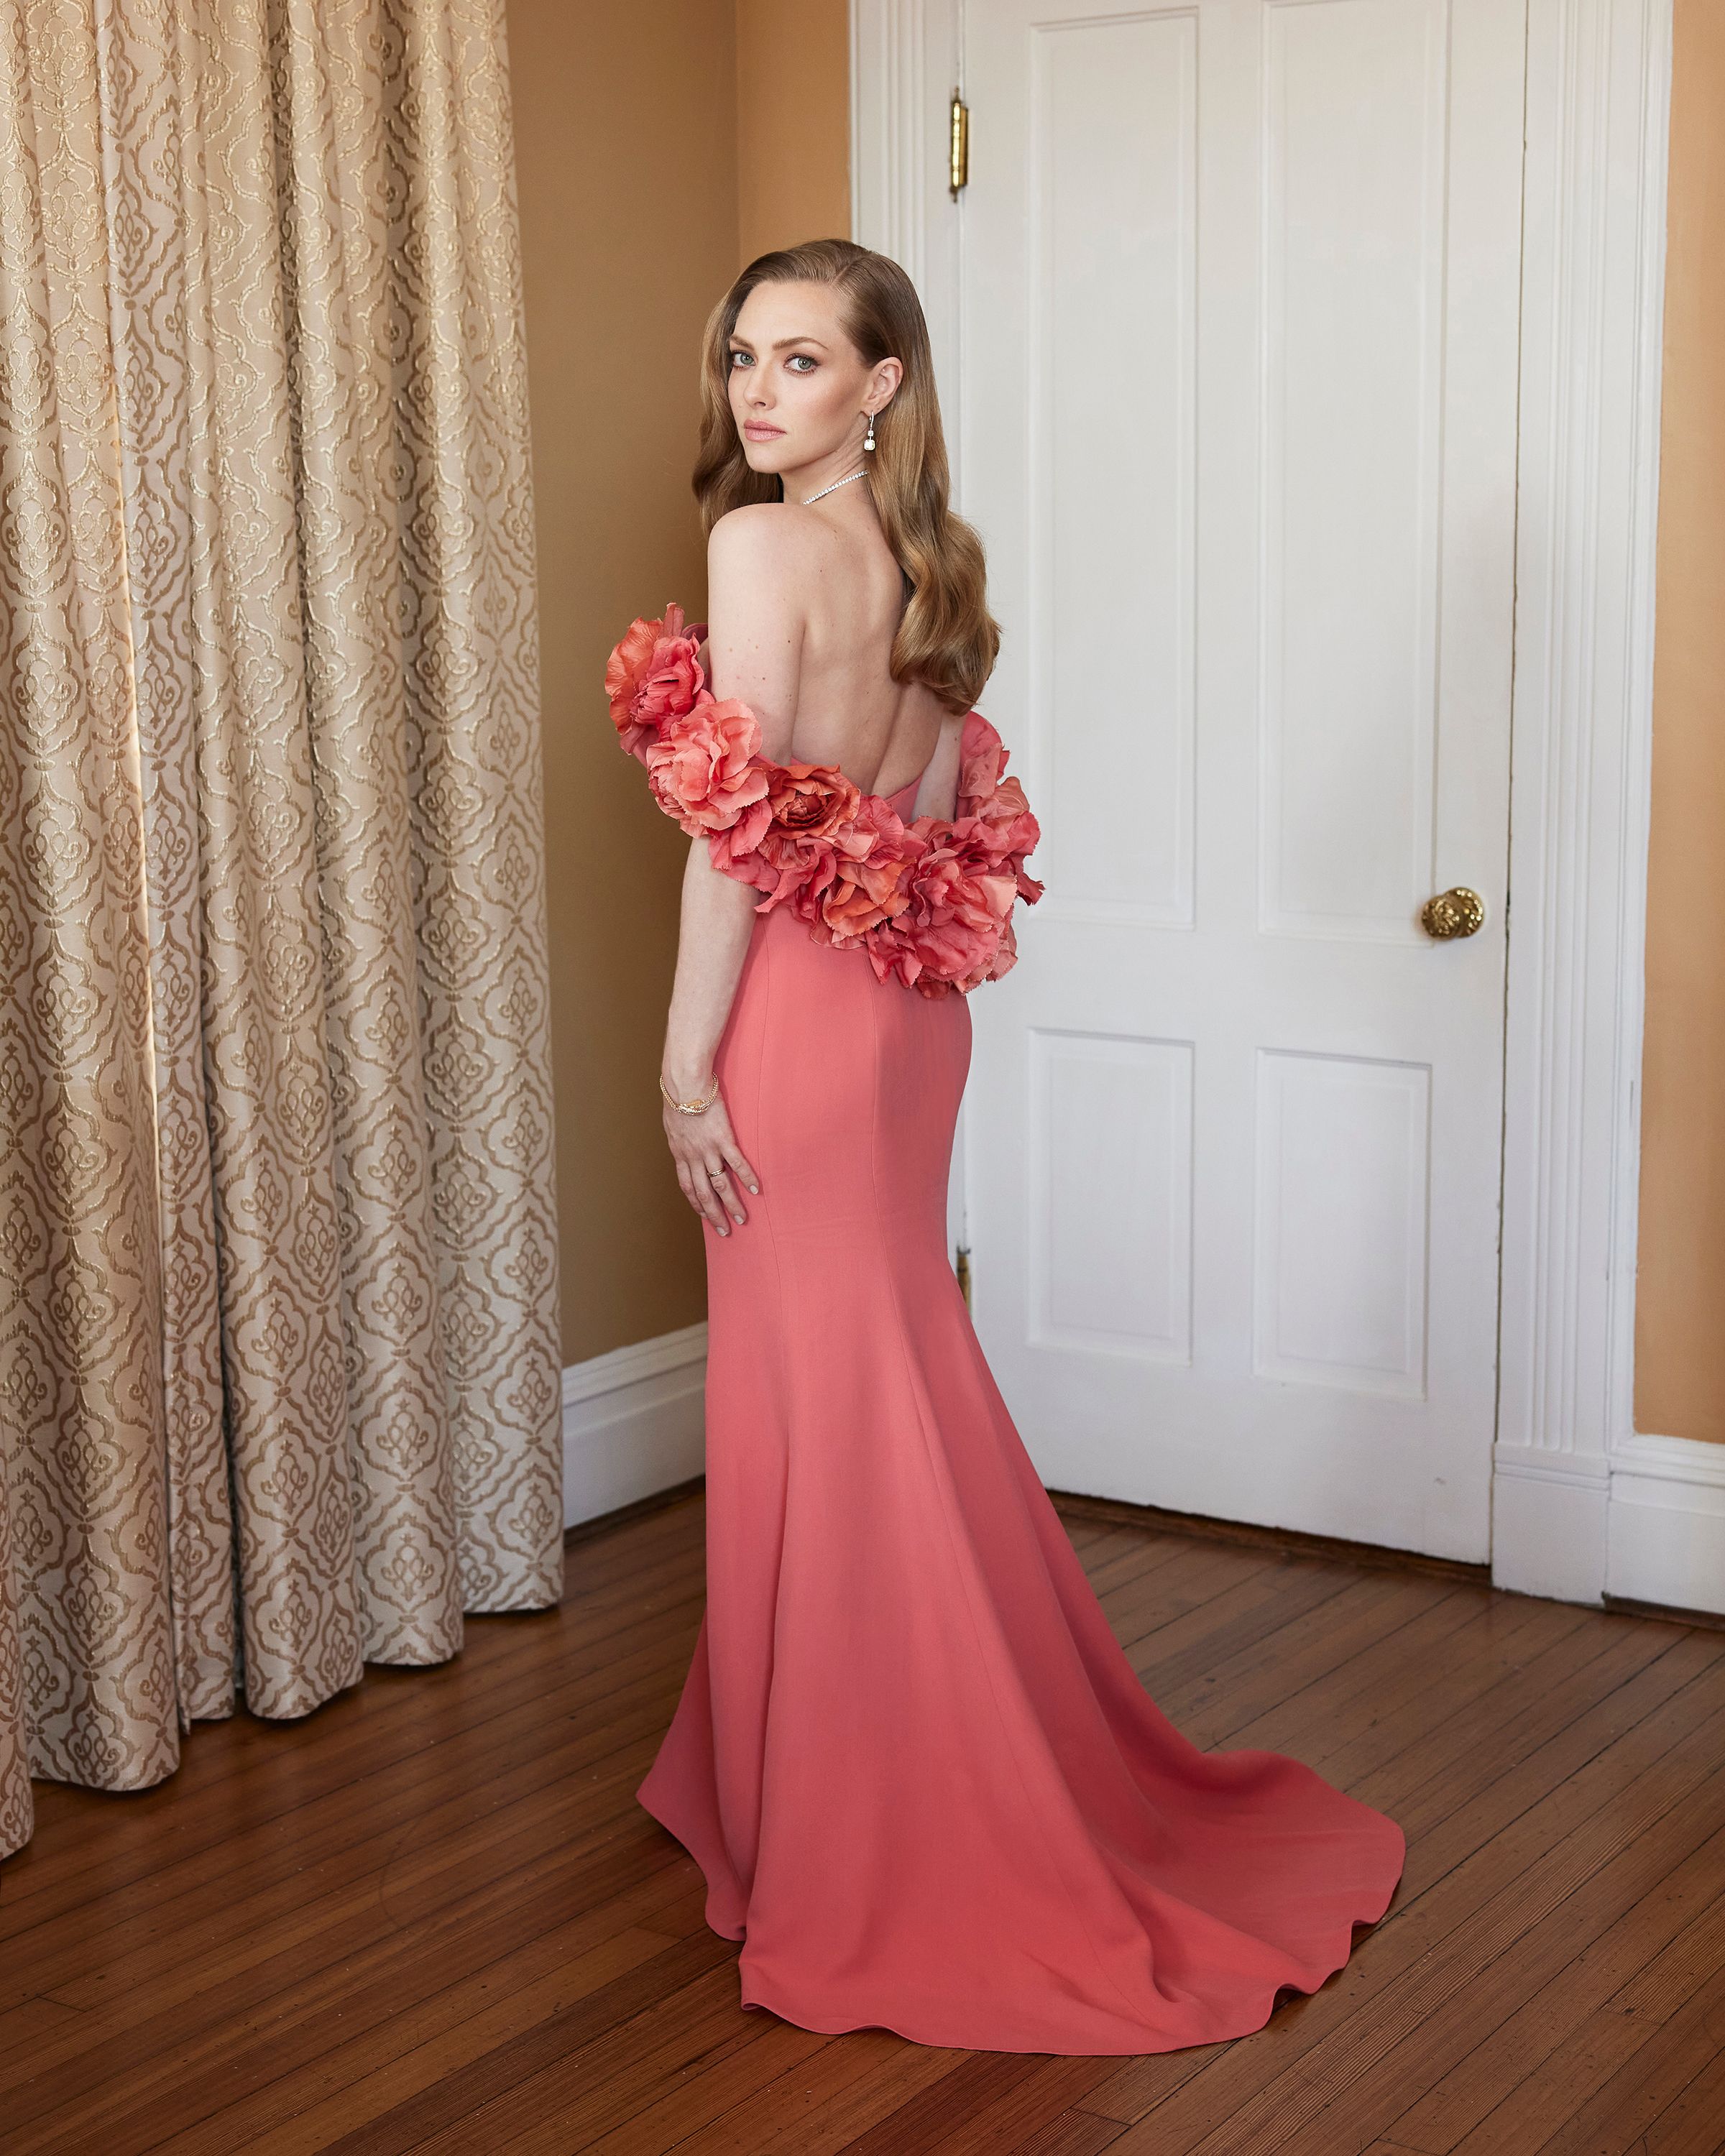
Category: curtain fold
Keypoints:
(266, 571)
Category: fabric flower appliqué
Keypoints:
(930, 901)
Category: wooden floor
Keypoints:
(431, 1917)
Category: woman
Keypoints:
(924, 1785)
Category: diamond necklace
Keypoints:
(860, 472)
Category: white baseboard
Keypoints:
(1650, 1528)
(1666, 1540)
(1549, 1513)
(1646, 1522)
(634, 1422)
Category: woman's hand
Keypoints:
(709, 1163)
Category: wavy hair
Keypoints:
(947, 638)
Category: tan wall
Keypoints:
(794, 123)
(1680, 1327)
(629, 121)
(625, 143)
(661, 146)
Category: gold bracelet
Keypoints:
(694, 1108)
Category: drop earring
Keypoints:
(869, 438)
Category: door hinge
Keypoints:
(961, 1266)
(959, 160)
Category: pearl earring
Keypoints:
(869, 438)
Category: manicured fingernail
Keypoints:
(756, 1188)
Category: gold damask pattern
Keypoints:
(277, 1310)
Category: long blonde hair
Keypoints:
(946, 639)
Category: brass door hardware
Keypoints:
(1457, 912)
(959, 159)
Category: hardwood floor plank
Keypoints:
(1510, 1788)
(251, 1944)
(559, 1882)
(31, 2022)
(935, 2117)
(837, 2095)
(1693, 2123)
(433, 1917)
(300, 2037)
(1230, 1672)
(393, 1718)
(1189, 1599)
(1487, 1668)
(1608, 2038)
(1414, 1964)
(1020, 2115)
(1491, 1978)
(647, 2026)
(345, 1834)
(1135, 2086)
(1073, 2133)
(1515, 2018)
(552, 2100)
(733, 2085)
(1664, 2063)
(1514, 1718)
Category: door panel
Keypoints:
(1237, 401)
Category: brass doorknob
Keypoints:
(1458, 913)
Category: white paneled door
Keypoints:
(1237, 406)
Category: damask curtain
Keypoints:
(278, 1362)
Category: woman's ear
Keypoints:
(887, 377)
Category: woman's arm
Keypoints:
(754, 652)
(713, 937)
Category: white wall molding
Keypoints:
(1666, 1531)
(1594, 250)
(904, 62)
(634, 1422)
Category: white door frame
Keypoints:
(1582, 1506)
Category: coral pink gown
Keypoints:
(926, 1790)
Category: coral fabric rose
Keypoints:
(931, 903)
(982, 759)
(705, 770)
(843, 827)
(958, 899)
(1011, 833)
(652, 677)
(812, 799)
(871, 884)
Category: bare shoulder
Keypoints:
(764, 536)
(757, 576)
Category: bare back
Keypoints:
(841, 580)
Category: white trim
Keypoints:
(1670, 1460)
(1666, 1530)
(1592, 272)
(634, 1422)
(904, 62)
(1594, 244)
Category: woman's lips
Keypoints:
(757, 432)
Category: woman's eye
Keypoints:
(796, 356)
(739, 357)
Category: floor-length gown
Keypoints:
(926, 1787)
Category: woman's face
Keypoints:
(799, 390)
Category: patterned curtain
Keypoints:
(277, 1264)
